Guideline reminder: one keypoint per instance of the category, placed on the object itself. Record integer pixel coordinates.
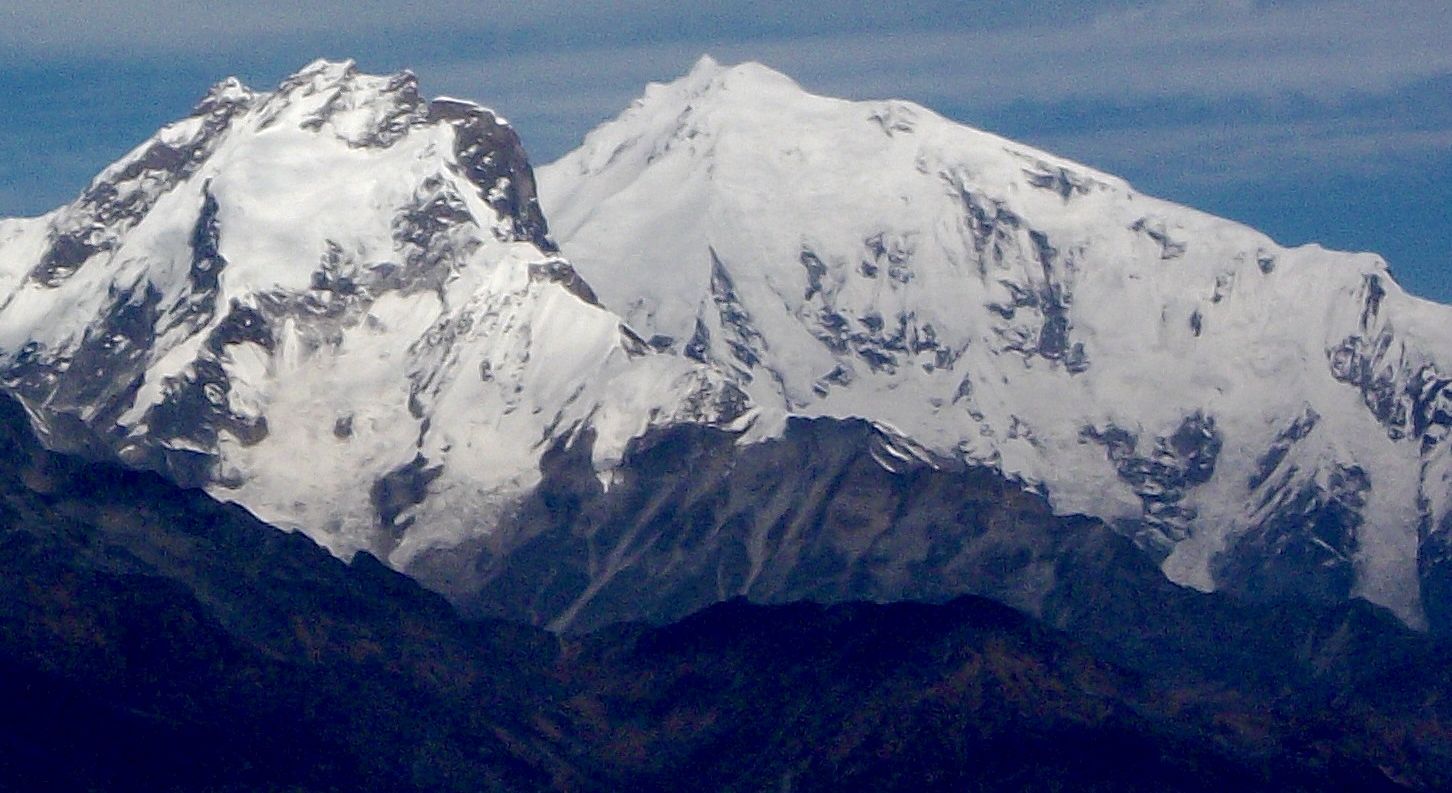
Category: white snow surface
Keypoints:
(874, 259)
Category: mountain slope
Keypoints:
(1264, 420)
(336, 304)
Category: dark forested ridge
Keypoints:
(151, 637)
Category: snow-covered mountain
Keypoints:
(1265, 420)
(339, 304)
(336, 304)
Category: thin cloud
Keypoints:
(1199, 51)
(1237, 153)
(1030, 51)
(533, 59)
(147, 27)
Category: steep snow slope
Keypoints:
(335, 304)
(1265, 420)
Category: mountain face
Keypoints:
(152, 638)
(1262, 420)
(829, 511)
(336, 304)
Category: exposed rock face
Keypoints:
(489, 154)
(828, 511)
(1163, 476)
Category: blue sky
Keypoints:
(1321, 121)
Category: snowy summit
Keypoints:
(336, 304)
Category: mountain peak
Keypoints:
(324, 71)
(230, 91)
(708, 77)
(339, 266)
(705, 65)
(1006, 306)
(363, 109)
